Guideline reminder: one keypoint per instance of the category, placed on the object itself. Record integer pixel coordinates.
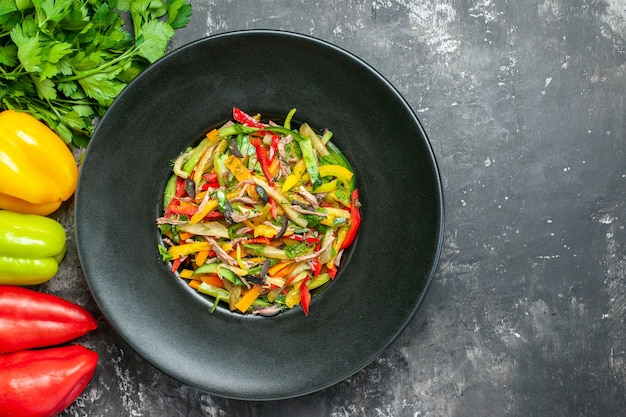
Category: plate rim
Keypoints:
(432, 159)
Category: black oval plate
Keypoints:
(169, 107)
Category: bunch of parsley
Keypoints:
(65, 61)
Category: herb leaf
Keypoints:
(65, 61)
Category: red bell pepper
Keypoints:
(44, 382)
(305, 296)
(31, 319)
(245, 119)
(355, 219)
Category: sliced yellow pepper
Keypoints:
(337, 243)
(186, 273)
(207, 159)
(208, 207)
(188, 248)
(293, 178)
(37, 168)
(326, 187)
(342, 173)
(239, 261)
(261, 217)
(293, 296)
(337, 212)
(328, 220)
(265, 231)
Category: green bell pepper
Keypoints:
(31, 247)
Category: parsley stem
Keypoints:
(13, 75)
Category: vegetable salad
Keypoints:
(258, 214)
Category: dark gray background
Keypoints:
(523, 102)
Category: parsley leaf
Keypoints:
(154, 38)
(65, 61)
(28, 49)
(179, 14)
(101, 87)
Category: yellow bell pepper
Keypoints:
(37, 168)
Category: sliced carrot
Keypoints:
(201, 257)
(274, 167)
(213, 135)
(285, 271)
(185, 235)
(194, 283)
(248, 298)
(236, 167)
(213, 280)
(274, 269)
(260, 239)
(199, 196)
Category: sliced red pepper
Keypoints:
(274, 147)
(44, 382)
(260, 239)
(176, 264)
(214, 215)
(273, 208)
(261, 155)
(180, 186)
(305, 296)
(32, 319)
(245, 119)
(301, 238)
(271, 156)
(168, 211)
(179, 192)
(355, 219)
(317, 266)
(211, 181)
(184, 207)
(332, 272)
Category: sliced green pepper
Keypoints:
(170, 191)
(339, 158)
(195, 155)
(308, 155)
